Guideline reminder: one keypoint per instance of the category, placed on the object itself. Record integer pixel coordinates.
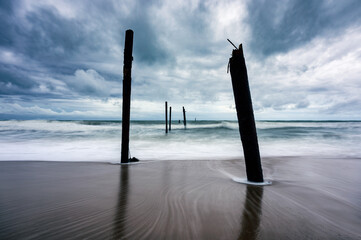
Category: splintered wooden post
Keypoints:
(127, 78)
(247, 126)
(170, 119)
(166, 117)
(184, 117)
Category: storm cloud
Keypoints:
(63, 59)
(279, 26)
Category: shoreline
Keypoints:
(241, 159)
(308, 199)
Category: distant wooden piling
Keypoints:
(247, 126)
(170, 119)
(127, 79)
(184, 117)
(166, 117)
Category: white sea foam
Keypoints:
(204, 140)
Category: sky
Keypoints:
(63, 59)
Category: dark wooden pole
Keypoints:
(247, 126)
(170, 119)
(184, 117)
(127, 79)
(166, 117)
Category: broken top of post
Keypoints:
(246, 123)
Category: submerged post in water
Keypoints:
(166, 117)
(184, 117)
(170, 119)
(246, 123)
(127, 79)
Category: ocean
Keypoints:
(99, 141)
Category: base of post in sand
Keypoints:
(245, 181)
(128, 163)
(131, 161)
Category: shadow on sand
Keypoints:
(252, 213)
(121, 210)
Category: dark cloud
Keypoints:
(138, 18)
(148, 50)
(6, 6)
(7, 20)
(279, 26)
(62, 45)
(58, 42)
(45, 43)
(53, 38)
(14, 80)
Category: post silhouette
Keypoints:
(170, 119)
(127, 79)
(184, 117)
(246, 123)
(166, 117)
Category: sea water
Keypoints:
(200, 140)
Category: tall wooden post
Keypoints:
(184, 117)
(127, 79)
(246, 123)
(170, 119)
(166, 117)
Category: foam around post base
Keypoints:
(245, 181)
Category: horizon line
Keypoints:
(197, 120)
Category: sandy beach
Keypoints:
(310, 198)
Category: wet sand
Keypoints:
(310, 198)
